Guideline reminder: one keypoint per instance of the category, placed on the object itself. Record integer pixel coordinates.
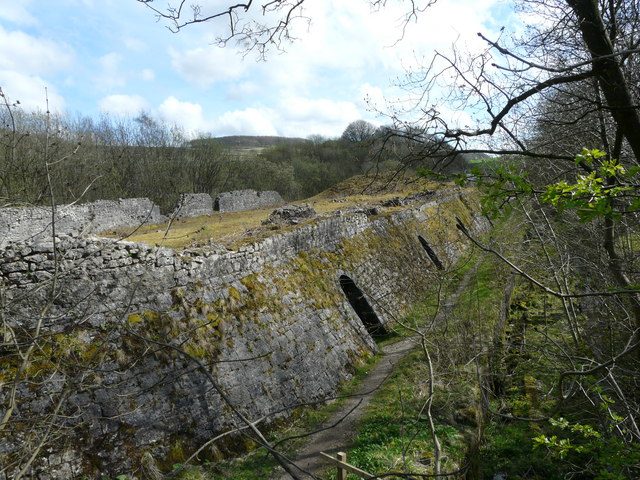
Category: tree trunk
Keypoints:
(610, 75)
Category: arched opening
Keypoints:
(432, 255)
(362, 307)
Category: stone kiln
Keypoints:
(135, 344)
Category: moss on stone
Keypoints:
(134, 319)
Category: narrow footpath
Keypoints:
(337, 439)
(310, 464)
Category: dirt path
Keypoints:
(338, 438)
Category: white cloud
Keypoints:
(456, 118)
(250, 121)
(30, 55)
(110, 75)
(148, 74)
(373, 98)
(185, 114)
(17, 12)
(302, 116)
(242, 90)
(123, 105)
(135, 44)
(208, 65)
(30, 91)
(304, 109)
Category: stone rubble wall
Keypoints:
(35, 223)
(267, 322)
(241, 200)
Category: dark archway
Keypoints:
(432, 255)
(362, 307)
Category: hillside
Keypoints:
(248, 141)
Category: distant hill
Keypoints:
(248, 141)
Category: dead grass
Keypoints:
(237, 228)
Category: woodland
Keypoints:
(113, 158)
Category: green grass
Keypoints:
(395, 436)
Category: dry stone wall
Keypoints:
(193, 205)
(35, 223)
(241, 200)
(142, 344)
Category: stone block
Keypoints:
(193, 205)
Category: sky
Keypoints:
(114, 57)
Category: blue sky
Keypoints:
(113, 57)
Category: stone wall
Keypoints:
(241, 200)
(35, 223)
(192, 205)
(140, 344)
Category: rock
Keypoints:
(291, 215)
(192, 205)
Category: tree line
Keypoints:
(89, 159)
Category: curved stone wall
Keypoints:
(138, 345)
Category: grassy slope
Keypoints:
(231, 229)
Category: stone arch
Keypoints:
(432, 254)
(361, 306)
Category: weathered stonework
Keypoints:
(291, 215)
(141, 343)
(241, 200)
(35, 223)
(193, 205)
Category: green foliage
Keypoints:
(591, 195)
(601, 456)
(505, 183)
(508, 449)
